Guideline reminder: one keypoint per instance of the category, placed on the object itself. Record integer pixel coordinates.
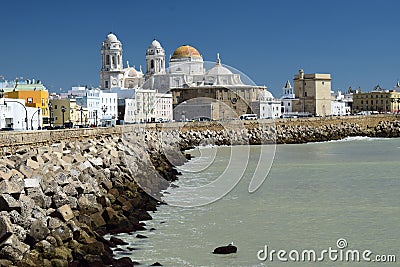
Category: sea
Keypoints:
(336, 200)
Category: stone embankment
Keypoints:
(57, 201)
(61, 191)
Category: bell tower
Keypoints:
(111, 73)
(155, 59)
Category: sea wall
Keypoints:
(61, 191)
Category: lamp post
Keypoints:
(104, 109)
(95, 118)
(38, 112)
(50, 108)
(1, 93)
(63, 109)
(81, 110)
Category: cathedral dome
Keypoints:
(186, 51)
(111, 38)
(219, 70)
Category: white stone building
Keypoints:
(108, 105)
(112, 73)
(163, 108)
(270, 108)
(340, 104)
(287, 100)
(15, 115)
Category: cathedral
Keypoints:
(216, 93)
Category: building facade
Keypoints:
(14, 114)
(380, 100)
(34, 94)
(112, 72)
(314, 94)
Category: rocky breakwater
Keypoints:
(57, 201)
(281, 132)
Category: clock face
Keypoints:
(114, 82)
(234, 100)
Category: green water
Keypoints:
(314, 194)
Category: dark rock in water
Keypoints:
(225, 249)
(140, 236)
(152, 229)
(162, 222)
(123, 262)
(117, 241)
(131, 248)
(156, 264)
(118, 250)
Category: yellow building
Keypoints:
(313, 92)
(66, 112)
(34, 94)
(377, 100)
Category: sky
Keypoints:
(58, 42)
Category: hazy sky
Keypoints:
(58, 42)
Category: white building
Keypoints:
(270, 108)
(340, 104)
(287, 99)
(112, 73)
(163, 108)
(145, 105)
(15, 115)
(130, 110)
(87, 98)
(108, 105)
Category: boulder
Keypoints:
(38, 230)
(66, 212)
(6, 227)
(10, 187)
(32, 182)
(32, 164)
(37, 195)
(225, 249)
(13, 249)
(8, 203)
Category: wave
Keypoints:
(358, 138)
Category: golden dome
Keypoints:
(185, 51)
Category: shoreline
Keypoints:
(62, 191)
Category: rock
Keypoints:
(32, 182)
(13, 249)
(37, 195)
(156, 264)
(8, 203)
(54, 223)
(62, 232)
(38, 230)
(87, 204)
(66, 212)
(33, 164)
(70, 190)
(10, 187)
(140, 236)
(117, 241)
(97, 219)
(225, 249)
(61, 179)
(123, 262)
(6, 227)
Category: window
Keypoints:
(106, 84)
(305, 93)
(29, 100)
(108, 59)
(55, 106)
(152, 64)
